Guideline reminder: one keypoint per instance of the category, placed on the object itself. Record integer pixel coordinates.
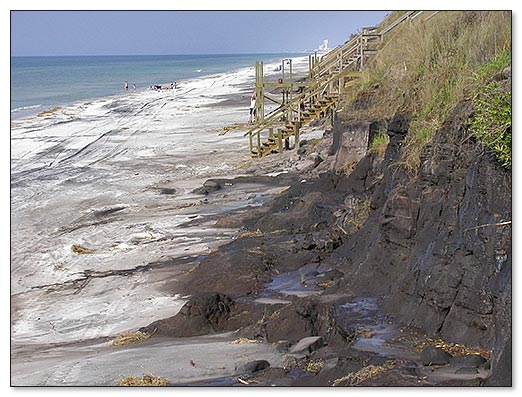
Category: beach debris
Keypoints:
(146, 380)
(128, 338)
(78, 249)
(365, 373)
(237, 126)
(452, 348)
(325, 284)
(313, 366)
(242, 381)
(48, 112)
(302, 277)
(192, 269)
(242, 341)
(58, 267)
(364, 332)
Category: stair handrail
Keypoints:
(280, 111)
(331, 57)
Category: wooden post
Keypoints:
(258, 83)
(340, 71)
(251, 146)
(361, 52)
(289, 111)
(291, 81)
(296, 133)
(287, 144)
(260, 100)
(271, 133)
(258, 143)
(280, 140)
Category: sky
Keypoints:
(45, 33)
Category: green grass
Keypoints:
(491, 123)
(501, 61)
(426, 68)
(379, 142)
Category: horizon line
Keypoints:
(190, 54)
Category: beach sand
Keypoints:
(101, 193)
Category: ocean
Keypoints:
(40, 83)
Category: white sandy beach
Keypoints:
(115, 176)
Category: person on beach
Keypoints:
(134, 86)
(175, 84)
(126, 86)
(253, 108)
(171, 85)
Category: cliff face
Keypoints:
(434, 244)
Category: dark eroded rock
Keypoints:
(253, 366)
(202, 314)
(307, 345)
(471, 360)
(467, 371)
(435, 356)
(208, 187)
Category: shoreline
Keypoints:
(30, 111)
(116, 177)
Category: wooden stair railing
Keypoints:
(344, 61)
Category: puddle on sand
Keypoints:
(363, 314)
(295, 283)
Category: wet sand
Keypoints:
(115, 177)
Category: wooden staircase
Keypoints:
(277, 142)
(328, 78)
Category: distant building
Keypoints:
(324, 46)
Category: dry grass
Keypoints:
(313, 366)
(78, 249)
(243, 341)
(192, 269)
(365, 373)
(360, 211)
(364, 332)
(58, 267)
(258, 233)
(129, 338)
(147, 380)
(426, 68)
(248, 234)
(348, 167)
(325, 284)
(48, 112)
(453, 348)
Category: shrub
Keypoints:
(491, 123)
